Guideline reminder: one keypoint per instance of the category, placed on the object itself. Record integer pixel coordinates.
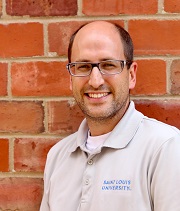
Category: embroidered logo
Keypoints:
(116, 185)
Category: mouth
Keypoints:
(97, 95)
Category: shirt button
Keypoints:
(90, 162)
(87, 182)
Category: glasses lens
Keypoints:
(108, 67)
(111, 67)
(80, 68)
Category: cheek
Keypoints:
(122, 86)
(76, 85)
(70, 84)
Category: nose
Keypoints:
(96, 79)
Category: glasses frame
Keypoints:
(96, 64)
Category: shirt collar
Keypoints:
(126, 129)
(120, 136)
(80, 136)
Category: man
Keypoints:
(119, 159)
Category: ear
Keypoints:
(132, 75)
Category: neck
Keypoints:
(98, 128)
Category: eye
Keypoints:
(83, 67)
(108, 65)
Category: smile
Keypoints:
(98, 95)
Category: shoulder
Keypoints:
(58, 153)
(159, 127)
(62, 150)
(159, 133)
(64, 145)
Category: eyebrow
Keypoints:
(104, 59)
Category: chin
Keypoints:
(99, 117)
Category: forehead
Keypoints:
(97, 38)
(98, 30)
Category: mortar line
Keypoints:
(4, 14)
(11, 154)
(30, 175)
(9, 81)
(45, 116)
(45, 39)
(64, 58)
(161, 7)
(79, 8)
(168, 76)
(58, 19)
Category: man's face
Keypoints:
(101, 97)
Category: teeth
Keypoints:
(99, 95)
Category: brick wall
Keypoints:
(36, 105)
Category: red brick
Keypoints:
(60, 33)
(155, 37)
(109, 7)
(30, 154)
(23, 117)
(151, 78)
(41, 7)
(21, 40)
(163, 110)
(4, 155)
(175, 77)
(172, 6)
(63, 117)
(40, 79)
(3, 77)
(22, 194)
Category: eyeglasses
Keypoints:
(108, 67)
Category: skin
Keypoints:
(103, 99)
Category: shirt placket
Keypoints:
(87, 186)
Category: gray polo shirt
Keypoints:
(137, 169)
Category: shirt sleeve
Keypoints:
(165, 176)
(44, 203)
